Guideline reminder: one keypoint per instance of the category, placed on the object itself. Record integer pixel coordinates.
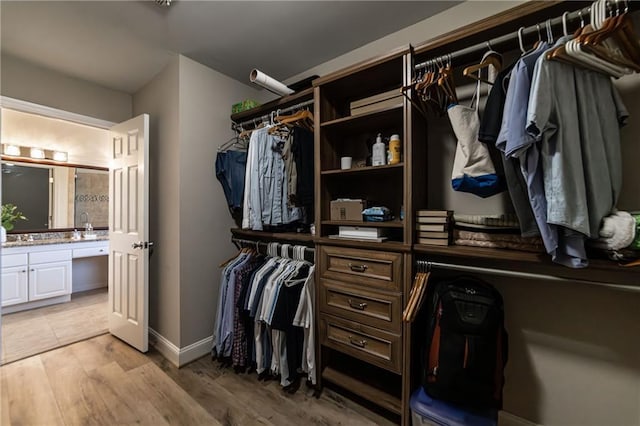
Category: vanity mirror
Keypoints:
(56, 197)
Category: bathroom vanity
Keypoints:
(41, 272)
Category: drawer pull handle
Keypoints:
(359, 343)
(355, 305)
(357, 268)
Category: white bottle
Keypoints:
(379, 153)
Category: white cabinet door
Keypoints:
(49, 280)
(14, 285)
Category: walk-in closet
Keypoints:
(436, 221)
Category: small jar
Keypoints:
(395, 149)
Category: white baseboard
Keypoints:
(179, 356)
(508, 419)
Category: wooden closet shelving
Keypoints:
(356, 123)
(387, 373)
(404, 185)
(600, 270)
(293, 237)
(388, 224)
(360, 349)
(283, 102)
(367, 169)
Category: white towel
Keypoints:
(617, 231)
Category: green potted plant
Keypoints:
(9, 216)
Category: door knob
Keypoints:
(138, 245)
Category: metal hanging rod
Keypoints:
(525, 275)
(257, 120)
(522, 32)
(256, 244)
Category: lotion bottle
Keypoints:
(379, 153)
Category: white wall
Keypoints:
(28, 82)
(159, 99)
(84, 144)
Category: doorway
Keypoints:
(37, 329)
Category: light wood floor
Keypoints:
(103, 381)
(31, 332)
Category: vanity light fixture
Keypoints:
(37, 153)
(13, 150)
(34, 153)
(60, 156)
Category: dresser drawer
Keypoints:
(382, 310)
(368, 344)
(366, 267)
(49, 256)
(90, 252)
(9, 260)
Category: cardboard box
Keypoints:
(344, 209)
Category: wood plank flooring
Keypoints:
(103, 381)
(34, 331)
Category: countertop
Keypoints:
(47, 241)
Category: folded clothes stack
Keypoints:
(493, 231)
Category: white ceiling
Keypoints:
(122, 44)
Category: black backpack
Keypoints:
(466, 347)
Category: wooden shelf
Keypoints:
(364, 390)
(369, 245)
(387, 224)
(272, 236)
(348, 121)
(282, 102)
(366, 169)
(599, 270)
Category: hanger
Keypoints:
(445, 85)
(490, 59)
(617, 35)
(236, 143)
(609, 48)
(520, 43)
(537, 43)
(588, 50)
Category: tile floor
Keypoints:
(38, 330)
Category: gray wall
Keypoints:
(206, 97)
(189, 105)
(159, 99)
(28, 82)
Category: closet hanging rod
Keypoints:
(256, 120)
(496, 42)
(527, 275)
(256, 243)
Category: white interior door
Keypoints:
(129, 232)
